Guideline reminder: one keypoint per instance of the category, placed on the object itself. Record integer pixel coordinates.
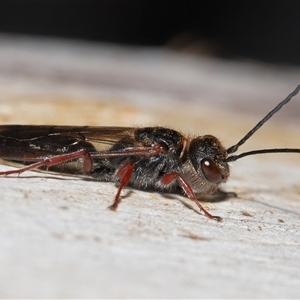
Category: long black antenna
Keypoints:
(262, 151)
(235, 147)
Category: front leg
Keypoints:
(168, 178)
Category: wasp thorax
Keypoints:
(208, 157)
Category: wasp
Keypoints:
(150, 158)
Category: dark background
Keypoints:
(261, 30)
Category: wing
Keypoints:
(29, 142)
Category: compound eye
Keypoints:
(210, 170)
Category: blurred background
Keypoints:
(131, 61)
(259, 30)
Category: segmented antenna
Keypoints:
(235, 147)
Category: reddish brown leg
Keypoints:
(168, 178)
(124, 175)
(55, 160)
(142, 151)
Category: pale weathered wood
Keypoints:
(57, 237)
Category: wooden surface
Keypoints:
(57, 237)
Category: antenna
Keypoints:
(235, 147)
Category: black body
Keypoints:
(181, 155)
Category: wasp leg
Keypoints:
(124, 175)
(168, 178)
(55, 160)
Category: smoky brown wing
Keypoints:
(104, 138)
(28, 143)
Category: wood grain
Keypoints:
(57, 237)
